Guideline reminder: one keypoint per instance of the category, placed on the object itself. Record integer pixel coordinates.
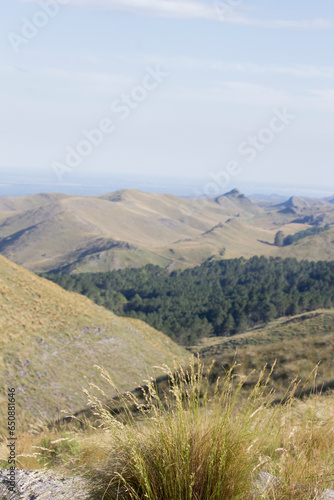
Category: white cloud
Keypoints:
(92, 82)
(310, 24)
(190, 9)
(159, 8)
(191, 63)
(225, 91)
(103, 79)
(301, 70)
(251, 95)
(233, 92)
(82, 81)
(298, 70)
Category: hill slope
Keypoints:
(297, 344)
(51, 339)
(127, 228)
(131, 228)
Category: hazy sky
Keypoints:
(176, 87)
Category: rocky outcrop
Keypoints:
(42, 485)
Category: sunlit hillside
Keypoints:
(51, 341)
(131, 228)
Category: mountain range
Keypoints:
(130, 228)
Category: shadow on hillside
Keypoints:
(266, 243)
(318, 390)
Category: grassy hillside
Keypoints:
(316, 247)
(51, 339)
(131, 228)
(23, 203)
(220, 438)
(297, 344)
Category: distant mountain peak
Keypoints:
(292, 202)
(298, 202)
(239, 201)
(235, 192)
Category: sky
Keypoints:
(223, 93)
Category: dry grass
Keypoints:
(295, 344)
(191, 444)
(50, 340)
(194, 446)
(301, 454)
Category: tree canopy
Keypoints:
(218, 298)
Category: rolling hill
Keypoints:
(130, 228)
(51, 340)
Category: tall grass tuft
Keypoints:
(185, 445)
(180, 439)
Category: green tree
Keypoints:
(279, 239)
(229, 325)
(242, 323)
